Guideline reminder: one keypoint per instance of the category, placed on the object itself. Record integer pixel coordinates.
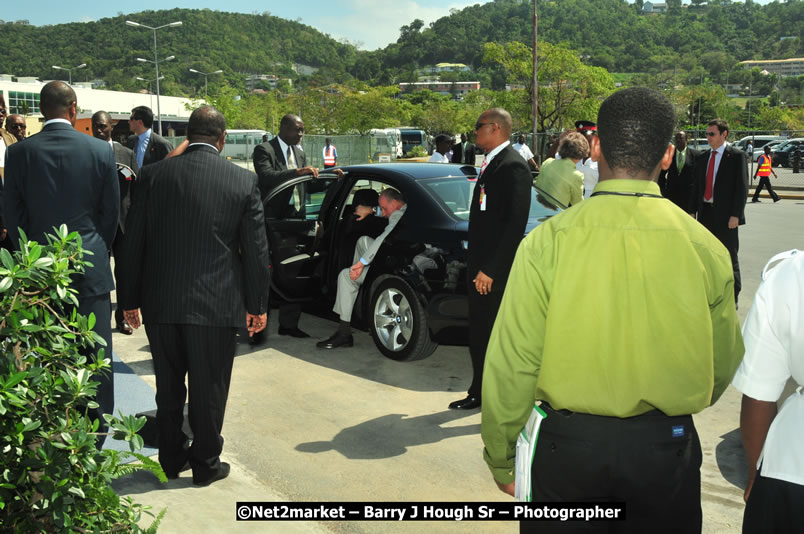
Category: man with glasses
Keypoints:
(15, 125)
(148, 145)
(497, 220)
(720, 190)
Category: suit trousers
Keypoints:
(649, 462)
(101, 306)
(482, 313)
(348, 288)
(117, 247)
(774, 507)
(764, 181)
(206, 355)
(728, 236)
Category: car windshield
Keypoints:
(456, 194)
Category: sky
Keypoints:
(371, 23)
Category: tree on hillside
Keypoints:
(568, 89)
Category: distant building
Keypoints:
(654, 7)
(456, 89)
(304, 70)
(450, 67)
(253, 80)
(781, 67)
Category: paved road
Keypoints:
(309, 425)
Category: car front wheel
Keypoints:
(398, 322)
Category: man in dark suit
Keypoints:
(276, 162)
(102, 129)
(63, 176)
(463, 152)
(195, 260)
(497, 220)
(676, 182)
(148, 146)
(720, 190)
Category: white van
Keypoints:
(758, 141)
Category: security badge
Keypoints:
(483, 198)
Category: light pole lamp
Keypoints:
(155, 62)
(70, 70)
(205, 75)
(140, 78)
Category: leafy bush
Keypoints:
(417, 152)
(52, 477)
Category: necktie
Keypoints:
(680, 160)
(290, 160)
(483, 166)
(710, 177)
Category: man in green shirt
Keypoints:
(618, 316)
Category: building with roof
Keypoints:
(781, 67)
(455, 89)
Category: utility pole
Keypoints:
(535, 94)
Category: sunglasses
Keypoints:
(479, 125)
(710, 134)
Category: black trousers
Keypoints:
(651, 463)
(764, 181)
(101, 306)
(774, 507)
(206, 355)
(482, 313)
(117, 246)
(730, 239)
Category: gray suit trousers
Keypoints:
(348, 288)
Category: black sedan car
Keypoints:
(783, 155)
(414, 296)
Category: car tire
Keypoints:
(397, 321)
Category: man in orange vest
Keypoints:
(330, 154)
(764, 170)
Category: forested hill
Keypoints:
(612, 33)
(607, 33)
(208, 40)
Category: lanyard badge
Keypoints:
(482, 198)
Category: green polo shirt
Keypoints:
(561, 180)
(619, 306)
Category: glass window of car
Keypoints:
(300, 201)
(456, 194)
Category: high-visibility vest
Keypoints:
(329, 155)
(765, 166)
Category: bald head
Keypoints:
(493, 128)
(16, 126)
(102, 125)
(206, 125)
(291, 129)
(57, 101)
(502, 118)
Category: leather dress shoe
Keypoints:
(257, 338)
(174, 476)
(336, 340)
(221, 473)
(294, 332)
(124, 328)
(469, 403)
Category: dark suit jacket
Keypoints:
(126, 156)
(494, 234)
(158, 147)
(195, 250)
(731, 186)
(461, 156)
(271, 167)
(678, 186)
(62, 176)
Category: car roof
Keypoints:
(414, 171)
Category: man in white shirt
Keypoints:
(443, 145)
(524, 151)
(774, 352)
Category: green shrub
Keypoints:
(52, 477)
(417, 152)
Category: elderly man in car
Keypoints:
(393, 206)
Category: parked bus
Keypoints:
(240, 144)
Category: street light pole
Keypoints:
(205, 75)
(70, 71)
(155, 62)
